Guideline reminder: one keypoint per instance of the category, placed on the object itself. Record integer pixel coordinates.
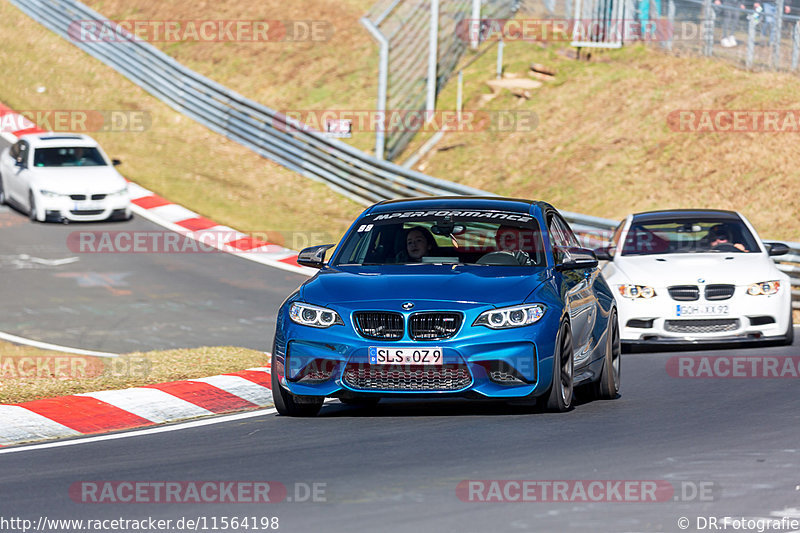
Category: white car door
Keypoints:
(16, 175)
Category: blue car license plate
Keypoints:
(405, 356)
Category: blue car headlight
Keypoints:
(510, 317)
(313, 315)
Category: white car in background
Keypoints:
(62, 177)
(696, 276)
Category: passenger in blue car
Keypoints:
(419, 243)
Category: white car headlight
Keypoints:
(764, 288)
(120, 192)
(314, 316)
(636, 291)
(51, 194)
(510, 317)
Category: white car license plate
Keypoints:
(405, 356)
(88, 206)
(702, 310)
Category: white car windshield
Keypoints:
(689, 236)
(77, 156)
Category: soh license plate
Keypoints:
(702, 310)
(405, 356)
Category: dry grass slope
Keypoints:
(602, 145)
(28, 373)
(175, 157)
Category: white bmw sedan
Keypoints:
(62, 177)
(695, 276)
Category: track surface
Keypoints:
(396, 468)
(131, 302)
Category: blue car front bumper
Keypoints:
(477, 361)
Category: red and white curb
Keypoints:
(105, 411)
(189, 224)
(140, 407)
(166, 214)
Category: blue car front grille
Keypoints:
(449, 377)
(433, 326)
(379, 325)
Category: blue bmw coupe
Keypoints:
(448, 296)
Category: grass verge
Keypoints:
(338, 71)
(603, 145)
(175, 157)
(28, 373)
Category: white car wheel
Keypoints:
(32, 208)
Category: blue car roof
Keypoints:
(517, 205)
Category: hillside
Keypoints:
(602, 145)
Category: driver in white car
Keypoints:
(720, 235)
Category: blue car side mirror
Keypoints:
(574, 258)
(314, 256)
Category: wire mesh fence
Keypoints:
(752, 35)
(411, 34)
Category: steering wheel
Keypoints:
(504, 257)
(725, 247)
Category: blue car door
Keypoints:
(578, 289)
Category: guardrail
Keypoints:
(267, 132)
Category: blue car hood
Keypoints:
(490, 285)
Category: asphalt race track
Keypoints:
(132, 302)
(729, 447)
(115, 302)
(726, 447)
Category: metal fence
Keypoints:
(359, 176)
(766, 38)
(266, 131)
(420, 44)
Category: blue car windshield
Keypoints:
(702, 235)
(444, 237)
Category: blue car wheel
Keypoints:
(607, 387)
(562, 390)
(289, 404)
